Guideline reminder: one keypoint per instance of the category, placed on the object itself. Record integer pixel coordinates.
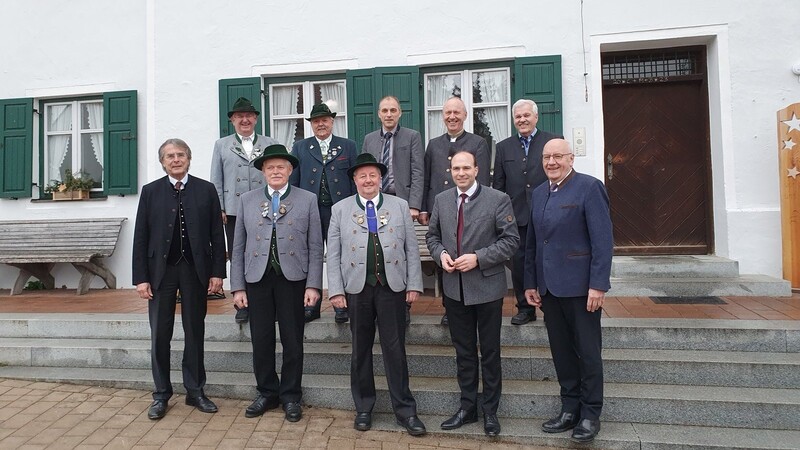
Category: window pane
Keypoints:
(92, 156)
(435, 124)
(490, 86)
(332, 94)
(92, 116)
(59, 156)
(441, 87)
(287, 131)
(491, 123)
(59, 117)
(287, 100)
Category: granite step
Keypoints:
(674, 266)
(741, 286)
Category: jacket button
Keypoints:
(291, 238)
(353, 248)
(527, 185)
(258, 238)
(173, 209)
(524, 159)
(165, 256)
(396, 261)
(335, 180)
(314, 169)
(545, 241)
(449, 158)
(352, 264)
(445, 182)
(238, 179)
(447, 170)
(238, 194)
(255, 253)
(338, 193)
(331, 168)
(291, 253)
(524, 172)
(312, 181)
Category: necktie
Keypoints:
(178, 185)
(553, 187)
(323, 148)
(460, 228)
(276, 204)
(526, 143)
(372, 219)
(386, 158)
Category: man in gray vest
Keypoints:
(232, 172)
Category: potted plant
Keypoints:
(72, 187)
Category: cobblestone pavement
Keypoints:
(63, 416)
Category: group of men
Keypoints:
(279, 210)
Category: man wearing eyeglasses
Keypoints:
(567, 273)
(517, 172)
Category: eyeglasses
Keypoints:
(557, 156)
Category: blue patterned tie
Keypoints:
(526, 143)
(387, 157)
(372, 220)
(276, 204)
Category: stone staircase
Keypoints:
(689, 276)
(670, 383)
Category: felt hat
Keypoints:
(242, 105)
(275, 151)
(320, 110)
(366, 159)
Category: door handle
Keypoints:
(610, 167)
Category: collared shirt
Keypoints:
(470, 192)
(376, 201)
(454, 137)
(183, 180)
(527, 143)
(281, 191)
(247, 145)
(558, 183)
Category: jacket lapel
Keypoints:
(313, 148)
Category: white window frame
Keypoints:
(308, 104)
(76, 132)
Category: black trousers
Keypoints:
(161, 310)
(470, 325)
(325, 219)
(275, 296)
(230, 231)
(518, 274)
(389, 308)
(576, 345)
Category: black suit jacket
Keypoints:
(518, 175)
(155, 220)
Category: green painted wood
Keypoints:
(229, 91)
(539, 78)
(16, 147)
(403, 83)
(361, 104)
(120, 149)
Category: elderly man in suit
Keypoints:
(324, 163)
(276, 270)
(178, 243)
(567, 273)
(472, 234)
(440, 151)
(517, 172)
(400, 150)
(374, 269)
(231, 171)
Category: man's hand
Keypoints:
(143, 289)
(414, 213)
(533, 298)
(447, 263)
(411, 296)
(311, 297)
(214, 285)
(240, 299)
(338, 301)
(423, 218)
(224, 218)
(595, 300)
(465, 263)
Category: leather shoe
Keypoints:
(341, 316)
(310, 315)
(157, 410)
(523, 317)
(242, 315)
(293, 411)
(261, 405)
(564, 422)
(461, 417)
(586, 430)
(491, 425)
(202, 403)
(413, 425)
(444, 320)
(363, 421)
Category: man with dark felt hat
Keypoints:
(324, 162)
(374, 270)
(276, 271)
(231, 171)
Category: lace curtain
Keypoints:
(94, 112)
(284, 102)
(492, 88)
(333, 95)
(59, 119)
(440, 88)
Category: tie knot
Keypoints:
(464, 197)
(178, 185)
(388, 135)
(370, 205)
(553, 187)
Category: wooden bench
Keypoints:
(428, 264)
(35, 246)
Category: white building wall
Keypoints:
(175, 52)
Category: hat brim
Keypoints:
(352, 171)
(231, 113)
(317, 116)
(259, 162)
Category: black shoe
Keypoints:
(522, 317)
(564, 422)
(460, 418)
(363, 421)
(310, 315)
(586, 430)
(444, 320)
(202, 403)
(216, 295)
(261, 405)
(341, 316)
(413, 425)
(242, 315)
(157, 410)
(491, 425)
(293, 411)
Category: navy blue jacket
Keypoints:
(308, 175)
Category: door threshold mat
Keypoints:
(688, 301)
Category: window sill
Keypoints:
(50, 200)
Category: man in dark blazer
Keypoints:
(324, 162)
(517, 172)
(232, 172)
(567, 273)
(472, 234)
(178, 243)
(276, 269)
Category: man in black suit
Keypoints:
(178, 243)
(517, 172)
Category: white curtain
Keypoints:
(440, 88)
(95, 113)
(284, 101)
(60, 119)
(333, 95)
(492, 89)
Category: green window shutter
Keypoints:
(16, 147)
(403, 83)
(539, 78)
(361, 105)
(120, 156)
(229, 91)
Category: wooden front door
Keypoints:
(657, 152)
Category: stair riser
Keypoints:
(627, 287)
(656, 269)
